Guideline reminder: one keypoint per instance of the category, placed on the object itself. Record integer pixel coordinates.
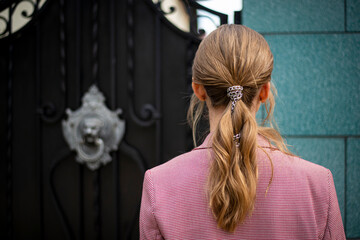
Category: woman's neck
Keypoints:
(216, 113)
(214, 117)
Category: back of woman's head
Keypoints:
(233, 55)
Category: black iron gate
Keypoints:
(140, 62)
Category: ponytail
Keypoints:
(234, 55)
(233, 173)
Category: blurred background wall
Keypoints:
(316, 47)
(141, 64)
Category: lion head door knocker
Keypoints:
(93, 130)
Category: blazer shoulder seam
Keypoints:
(328, 210)
(153, 198)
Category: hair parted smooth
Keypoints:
(234, 55)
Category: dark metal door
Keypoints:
(142, 65)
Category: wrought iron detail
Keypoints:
(95, 78)
(63, 72)
(159, 6)
(85, 29)
(23, 11)
(38, 127)
(60, 209)
(93, 130)
(148, 113)
(9, 154)
(48, 111)
(113, 100)
(95, 44)
(97, 203)
(191, 8)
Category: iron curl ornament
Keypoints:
(14, 15)
(93, 130)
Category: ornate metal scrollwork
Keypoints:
(191, 8)
(159, 3)
(93, 130)
(14, 15)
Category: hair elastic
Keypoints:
(237, 139)
(235, 94)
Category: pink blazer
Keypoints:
(301, 202)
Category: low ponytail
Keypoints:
(234, 57)
(233, 173)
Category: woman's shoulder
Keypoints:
(185, 166)
(186, 163)
(284, 160)
(289, 185)
(292, 169)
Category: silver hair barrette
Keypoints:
(235, 94)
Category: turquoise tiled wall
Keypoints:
(352, 187)
(313, 73)
(353, 15)
(294, 16)
(316, 47)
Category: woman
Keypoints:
(242, 182)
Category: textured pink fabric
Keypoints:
(301, 202)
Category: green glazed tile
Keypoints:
(352, 15)
(318, 83)
(353, 188)
(293, 15)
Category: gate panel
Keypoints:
(141, 64)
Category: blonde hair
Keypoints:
(234, 55)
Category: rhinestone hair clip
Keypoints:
(237, 139)
(235, 94)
